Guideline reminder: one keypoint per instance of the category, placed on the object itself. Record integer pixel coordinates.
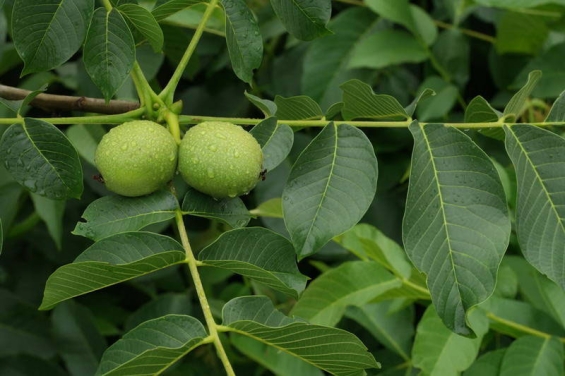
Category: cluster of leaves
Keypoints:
(307, 273)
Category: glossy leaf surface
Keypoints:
(41, 158)
(339, 166)
(456, 226)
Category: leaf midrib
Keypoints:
(541, 181)
(442, 208)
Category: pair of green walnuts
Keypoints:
(219, 159)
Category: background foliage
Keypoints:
(455, 265)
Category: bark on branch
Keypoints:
(53, 102)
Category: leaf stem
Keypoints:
(522, 328)
(212, 326)
(167, 95)
(189, 119)
(97, 119)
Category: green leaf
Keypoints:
(531, 355)
(394, 330)
(51, 212)
(276, 140)
(333, 350)
(539, 156)
(424, 94)
(23, 330)
(538, 289)
(280, 363)
(231, 211)
(271, 208)
(326, 61)
(153, 346)
(300, 107)
(259, 254)
(109, 51)
(352, 283)
(267, 107)
(557, 112)
(452, 52)
(114, 214)
(164, 304)
(520, 33)
(166, 9)
(49, 32)
(439, 105)
(480, 111)
(110, 261)
(30, 97)
(550, 62)
(386, 48)
(367, 242)
(508, 316)
(330, 187)
(359, 101)
(41, 158)
(487, 364)
(1, 236)
(78, 341)
(85, 139)
(22, 365)
(144, 21)
(518, 102)
(456, 226)
(245, 45)
(304, 19)
(439, 351)
(397, 11)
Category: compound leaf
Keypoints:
(48, 32)
(114, 214)
(330, 187)
(456, 226)
(333, 350)
(259, 254)
(153, 346)
(109, 51)
(110, 261)
(42, 159)
(539, 159)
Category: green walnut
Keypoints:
(136, 158)
(220, 159)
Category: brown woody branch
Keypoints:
(53, 102)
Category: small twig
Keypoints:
(50, 102)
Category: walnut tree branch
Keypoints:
(51, 102)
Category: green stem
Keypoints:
(192, 266)
(97, 119)
(107, 5)
(24, 226)
(167, 95)
(522, 328)
(189, 119)
(173, 123)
